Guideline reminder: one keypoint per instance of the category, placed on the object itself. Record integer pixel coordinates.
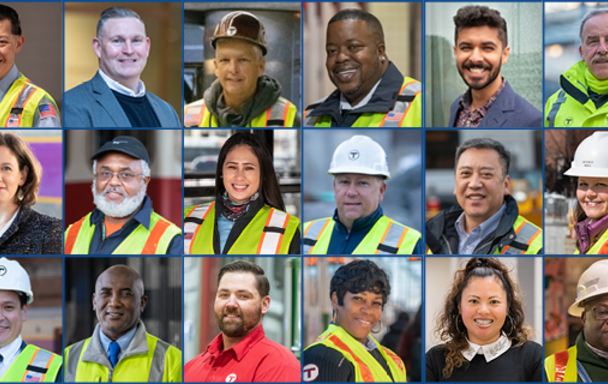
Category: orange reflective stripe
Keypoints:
(305, 113)
(285, 114)
(402, 237)
(604, 249)
(48, 364)
(516, 232)
(395, 358)
(157, 232)
(199, 227)
(72, 235)
(408, 108)
(267, 219)
(561, 361)
(267, 116)
(319, 235)
(390, 223)
(366, 373)
(282, 234)
(15, 103)
(30, 363)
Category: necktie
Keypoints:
(114, 351)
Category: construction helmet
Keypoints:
(591, 157)
(14, 278)
(241, 25)
(592, 283)
(360, 154)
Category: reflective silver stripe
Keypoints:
(42, 358)
(24, 95)
(392, 238)
(72, 361)
(310, 121)
(272, 240)
(313, 232)
(276, 113)
(561, 98)
(190, 228)
(525, 234)
(401, 106)
(157, 367)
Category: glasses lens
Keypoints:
(600, 313)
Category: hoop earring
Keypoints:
(512, 324)
(458, 323)
(380, 330)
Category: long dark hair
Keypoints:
(269, 184)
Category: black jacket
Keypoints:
(33, 233)
(442, 237)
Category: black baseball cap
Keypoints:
(124, 144)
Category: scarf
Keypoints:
(598, 86)
(587, 232)
(235, 211)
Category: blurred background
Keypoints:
(165, 187)
(402, 199)
(402, 27)
(401, 319)
(281, 322)
(525, 171)
(41, 57)
(523, 71)
(162, 277)
(526, 271)
(164, 28)
(562, 23)
(201, 151)
(282, 25)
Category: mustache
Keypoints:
(114, 189)
(600, 56)
(469, 65)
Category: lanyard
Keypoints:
(582, 373)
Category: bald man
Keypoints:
(120, 349)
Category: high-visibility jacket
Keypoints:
(527, 234)
(155, 240)
(407, 111)
(281, 114)
(599, 248)
(20, 103)
(572, 106)
(385, 237)
(561, 367)
(146, 359)
(33, 365)
(269, 232)
(367, 369)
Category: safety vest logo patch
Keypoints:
(568, 121)
(231, 378)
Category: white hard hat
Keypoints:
(592, 283)
(359, 154)
(591, 157)
(14, 278)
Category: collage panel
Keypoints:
(362, 312)
(242, 192)
(483, 319)
(575, 64)
(484, 65)
(362, 64)
(242, 319)
(123, 317)
(124, 189)
(242, 64)
(484, 192)
(123, 65)
(362, 192)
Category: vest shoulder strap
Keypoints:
(551, 116)
(397, 238)
(312, 233)
(193, 113)
(193, 219)
(34, 365)
(528, 239)
(310, 121)
(281, 114)
(273, 233)
(408, 92)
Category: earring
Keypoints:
(458, 324)
(512, 324)
(380, 330)
(20, 194)
(334, 322)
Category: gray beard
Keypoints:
(128, 206)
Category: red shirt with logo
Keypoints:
(253, 359)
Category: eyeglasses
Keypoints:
(125, 177)
(600, 313)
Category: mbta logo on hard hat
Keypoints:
(353, 154)
(3, 270)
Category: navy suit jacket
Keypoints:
(509, 110)
(92, 104)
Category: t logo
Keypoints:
(231, 378)
(568, 121)
(311, 372)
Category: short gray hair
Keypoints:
(586, 18)
(116, 13)
(145, 168)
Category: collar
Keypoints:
(8, 80)
(9, 351)
(345, 105)
(116, 86)
(359, 225)
(124, 341)
(241, 348)
(588, 232)
(485, 228)
(370, 344)
(599, 352)
(142, 216)
(489, 351)
(96, 354)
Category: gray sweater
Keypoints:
(32, 233)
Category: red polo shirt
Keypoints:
(253, 359)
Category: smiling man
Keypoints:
(124, 221)
(241, 352)
(480, 50)
(581, 101)
(360, 167)
(486, 219)
(116, 96)
(242, 95)
(587, 360)
(371, 90)
(120, 349)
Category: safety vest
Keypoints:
(407, 111)
(270, 232)
(20, 103)
(571, 106)
(153, 366)
(387, 237)
(561, 367)
(599, 248)
(155, 240)
(527, 235)
(367, 368)
(281, 114)
(33, 365)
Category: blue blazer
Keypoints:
(509, 110)
(93, 105)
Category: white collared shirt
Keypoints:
(370, 344)
(489, 351)
(8, 224)
(116, 86)
(10, 353)
(344, 104)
